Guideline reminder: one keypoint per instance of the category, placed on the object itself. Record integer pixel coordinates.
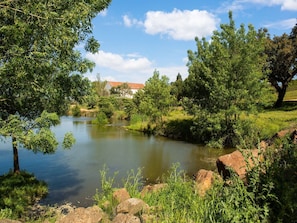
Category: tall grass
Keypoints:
(179, 202)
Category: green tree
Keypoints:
(281, 62)
(155, 99)
(39, 66)
(99, 86)
(226, 78)
(177, 87)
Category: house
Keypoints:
(134, 87)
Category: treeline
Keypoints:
(239, 72)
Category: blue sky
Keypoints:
(140, 36)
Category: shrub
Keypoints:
(100, 119)
(76, 111)
(18, 191)
(280, 178)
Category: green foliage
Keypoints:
(104, 198)
(180, 129)
(232, 202)
(99, 87)
(34, 135)
(76, 111)
(101, 119)
(177, 88)
(40, 68)
(280, 178)
(225, 80)
(91, 100)
(268, 195)
(43, 72)
(134, 182)
(281, 62)
(106, 105)
(17, 192)
(155, 100)
(177, 201)
(68, 140)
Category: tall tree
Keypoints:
(177, 87)
(281, 62)
(225, 74)
(99, 86)
(39, 66)
(155, 99)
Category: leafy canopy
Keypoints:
(225, 79)
(155, 99)
(281, 62)
(40, 69)
(39, 66)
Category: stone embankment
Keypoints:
(135, 210)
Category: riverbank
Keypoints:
(192, 200)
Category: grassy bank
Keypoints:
(268, 195)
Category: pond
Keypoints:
(73, 175)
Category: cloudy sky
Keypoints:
(140, 36)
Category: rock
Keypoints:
(83, 215)
(204, 180)
(121, 195)
(132, 206)
(152, 188)
(237, 162)
(126, 218)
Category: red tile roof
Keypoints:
(131, 85)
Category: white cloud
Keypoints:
(171, 72)
(131, 22)
(290, 5)
(284, 24)
(119, 63)
(180, 25)
(131, 67)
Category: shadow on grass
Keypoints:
(179, 130)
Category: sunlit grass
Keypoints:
(271, 121)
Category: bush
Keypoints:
(106, 106)
(217, 131)
(17, 192)
(100, 119)
(232, 202)
(76, 111)
(280, 171)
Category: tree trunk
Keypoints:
(280, 97)
(16, 164)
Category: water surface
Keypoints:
(73, 175)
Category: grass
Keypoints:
(179, 202)
(272, 121)
(17, 192)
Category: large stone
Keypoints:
(132, 206)
(121, 195)
(126, 218)
(204, 180)
(237, 162)
(83, 215)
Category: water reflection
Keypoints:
(73, 175)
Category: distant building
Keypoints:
(134, 87)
